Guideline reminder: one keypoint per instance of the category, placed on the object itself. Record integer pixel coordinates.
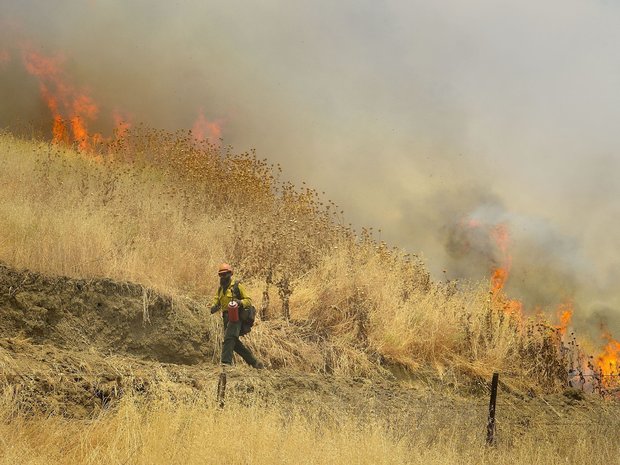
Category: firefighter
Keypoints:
(226, 301)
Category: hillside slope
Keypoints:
(87, 343)
(159, 210)
(74, 346)
(108, 353)
(116, 357)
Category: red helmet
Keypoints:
(224, 268)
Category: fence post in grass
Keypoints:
(493, 401)
(221, 389)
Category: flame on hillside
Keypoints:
(203, 129)
(121, 124)
(72, 108)
(565, 315)
(608, 361)
(498, 241)
(74, 111)
(499, 276)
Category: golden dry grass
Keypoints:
(164, 432)
(158, 210)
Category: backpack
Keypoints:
(247, 315)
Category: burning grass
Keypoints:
(162, 210)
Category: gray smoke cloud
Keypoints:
(413, 116)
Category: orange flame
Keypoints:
(502, 238)
(513, 307)
(122, 124)
(59, 130)
(73, 109)
(43, 67)
(65, 102)
(204, 129)
(608, 361)
(565, 315)
(498, 279)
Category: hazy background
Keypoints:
(414, 116)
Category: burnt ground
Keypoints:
(75, 347)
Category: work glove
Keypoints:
(214, 309)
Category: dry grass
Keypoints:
(158, 210)
(164, 432)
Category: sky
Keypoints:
(416, 117)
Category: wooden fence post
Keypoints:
(492, 403)
(221, 389)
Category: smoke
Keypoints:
(413, 116)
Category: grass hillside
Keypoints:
(157, 210)
(108, 353)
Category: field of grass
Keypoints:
(160, 211)
(165, 432)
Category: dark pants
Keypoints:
(232, 342)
